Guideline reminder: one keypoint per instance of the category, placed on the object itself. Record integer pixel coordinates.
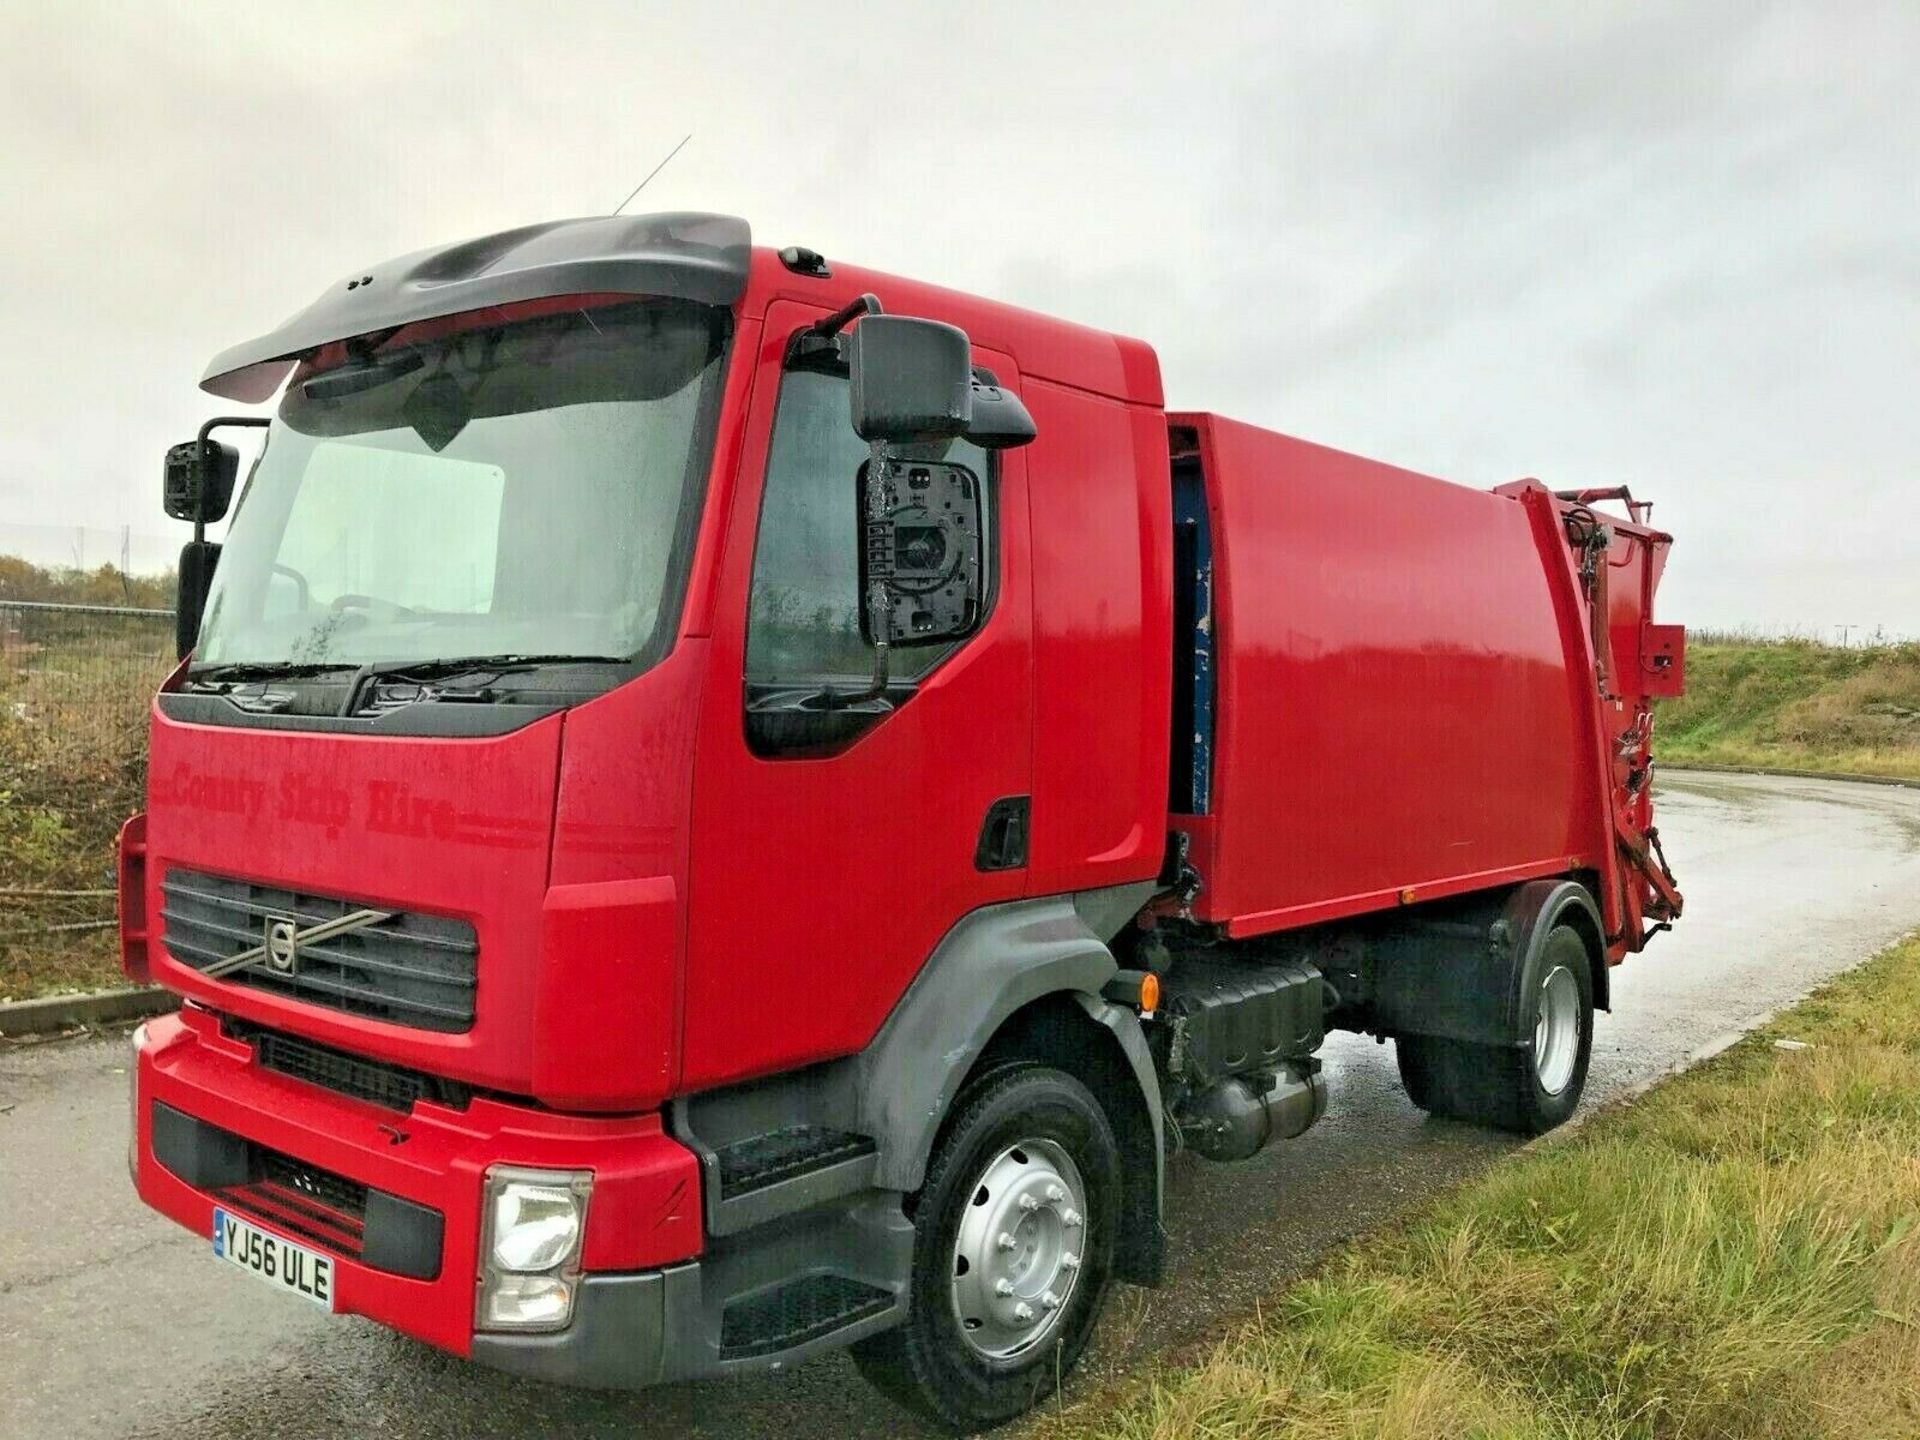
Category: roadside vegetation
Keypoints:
(1796, 705)
(104, 585)
(73, 695)
(1735, 1254)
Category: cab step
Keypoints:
(761, 1177)
(762, 1160)
(797, 1312)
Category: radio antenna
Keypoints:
(653, 172)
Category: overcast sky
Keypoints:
(1671, 245)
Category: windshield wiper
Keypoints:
(460, 664)
(242, 671)
(424, 671)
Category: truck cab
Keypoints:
(670, 833)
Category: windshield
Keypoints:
(524, 489)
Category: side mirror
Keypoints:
(1000, 419)
(925, 549)
(197, 480)
(912, 380)
(197, 561)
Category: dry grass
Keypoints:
(1867, 1389)
(1735, 1256)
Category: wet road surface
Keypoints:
(114, 1323)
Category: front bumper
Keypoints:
(822, 1282)
(626, 1334)
(643, 1222)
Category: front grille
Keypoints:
(374, 1081)
(308, 1202)
(410, 969)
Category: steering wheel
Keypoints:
(341, 603)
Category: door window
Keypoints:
(803, 622)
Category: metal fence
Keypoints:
(74, 676)
(75, 683)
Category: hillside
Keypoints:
(1796, 705)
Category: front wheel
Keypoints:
(1529, 1087)
(1014, 1236)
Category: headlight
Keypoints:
(534, 1221)
(535, 1227)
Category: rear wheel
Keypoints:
(1014, 1243)
(1530, 1087)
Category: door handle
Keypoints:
(1003, 834)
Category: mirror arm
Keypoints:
(832, 325)
(823, 337)
(879, 566)
(251, 422)
(880, 609)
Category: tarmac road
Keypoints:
(115, 1323)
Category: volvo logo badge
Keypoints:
(283, 945)
(279, 951)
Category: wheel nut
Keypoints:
(1003, 1287)
(1055, 1194)
(1027, 1202)
(1070, 1218)
(1006, 1241)
(1023, 1311)
(1049, 1300)
(1069, 1261)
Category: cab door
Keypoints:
(836, 840)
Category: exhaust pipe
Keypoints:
(1242, 1115)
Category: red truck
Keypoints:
(719, 804)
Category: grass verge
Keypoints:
(1796, 705)
(1734, 1255)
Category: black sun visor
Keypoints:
(682, 255)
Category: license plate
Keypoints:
(281, 1263)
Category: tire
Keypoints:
(1527, 1088)
(1017, 1133)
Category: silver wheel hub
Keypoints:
(1016, 1259)
(1556, 1030)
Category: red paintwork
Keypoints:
(902, 807)
(1406, 709)
(131, 885)
(645, 1210)
(1103, 547)
(1408, 705)
(870, 852)
(454, 829)
(581, 890)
